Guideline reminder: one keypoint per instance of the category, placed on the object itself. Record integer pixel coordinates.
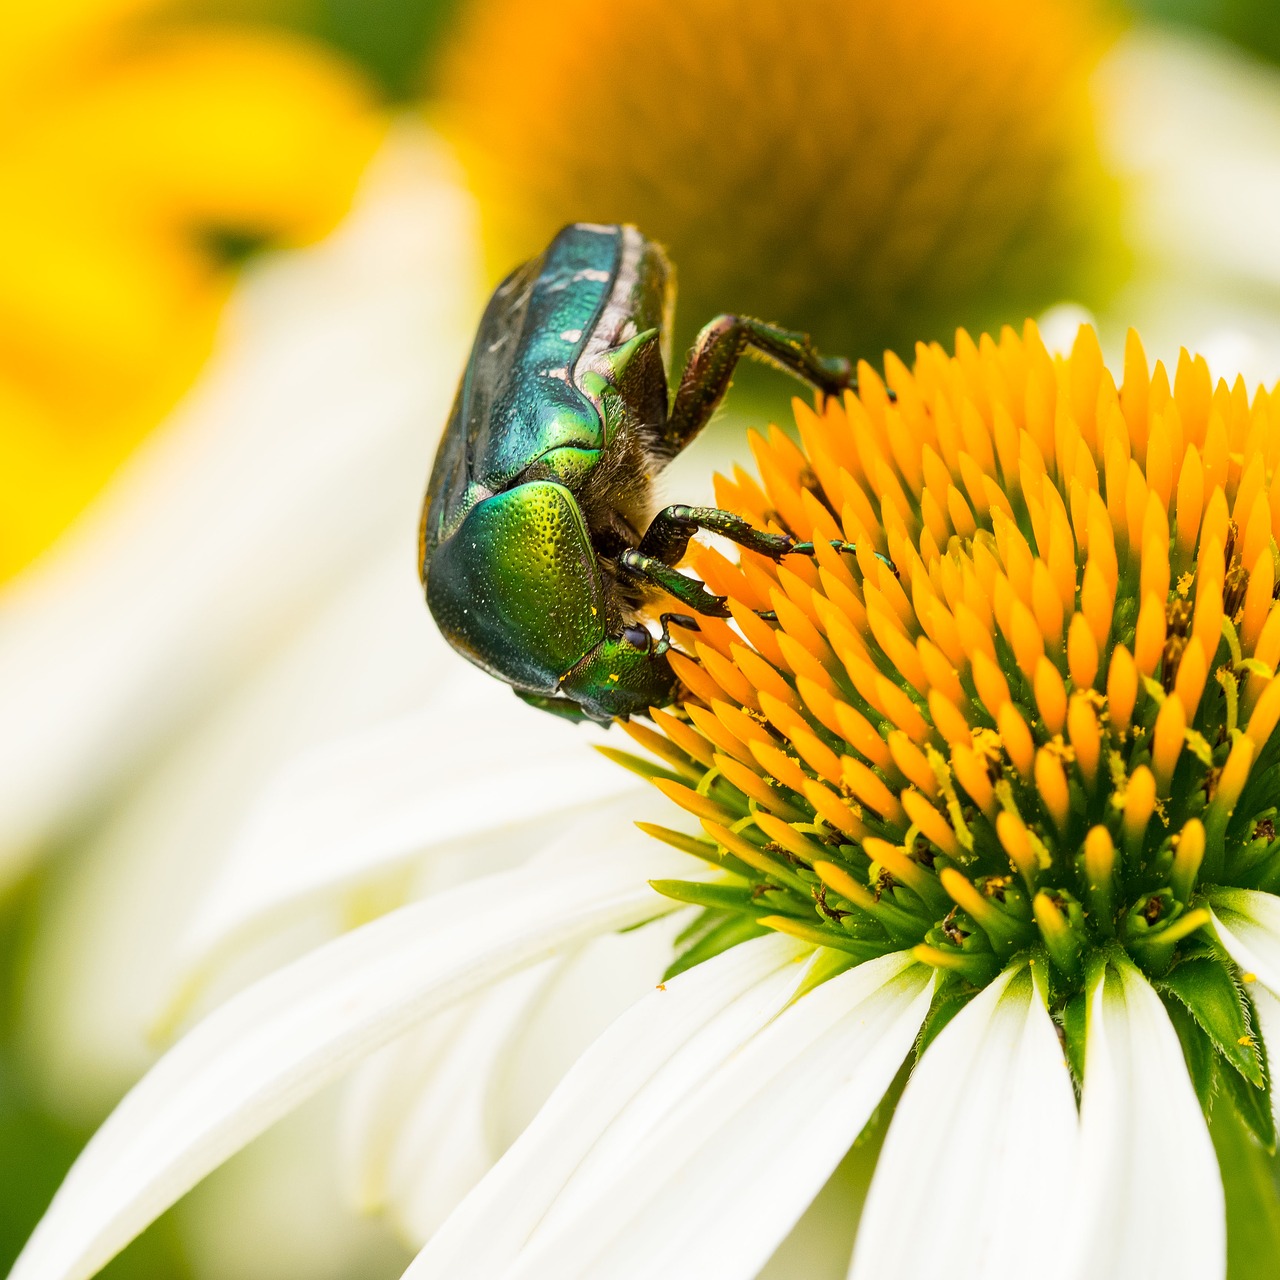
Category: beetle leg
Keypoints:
(689, 591)
(664, 641)
(715, 355)
(668, 534)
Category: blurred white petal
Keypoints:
(300, 451)
(266, 1049)
(94, 985)
(355, 810)
(459, 1121)
(718, 1183)
(988, 1120)
(1149, 1199)
(655, 1054)
(1192, 127)
(277, 1211)
(1248, 926)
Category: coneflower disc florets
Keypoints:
(1029, 711)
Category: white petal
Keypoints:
(303, 447)
(360, 808)
(718, 1183)
(514, 1047)
(93, 987)
(1149, 1198)
(987, 1131)
(274, 1044)
(1248, 926)
(682, 1031)
(380, 1092)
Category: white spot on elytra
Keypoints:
(562, 374)
(589, 273)
(571, 335)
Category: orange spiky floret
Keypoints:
(1023, 693)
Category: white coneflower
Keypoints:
(985, 795)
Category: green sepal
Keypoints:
(645, 768)
(1252, 1104)
(1197, 1050)
(1072, 1020)
(1212, 996)
(951, 995)
(1253, 1209)
(719, 938)
(741, 900)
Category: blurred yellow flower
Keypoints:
(867, 170)
(138, 159)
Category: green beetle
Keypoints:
(539, 548)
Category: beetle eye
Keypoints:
(637, 637)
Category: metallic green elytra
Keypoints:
(539, 547)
